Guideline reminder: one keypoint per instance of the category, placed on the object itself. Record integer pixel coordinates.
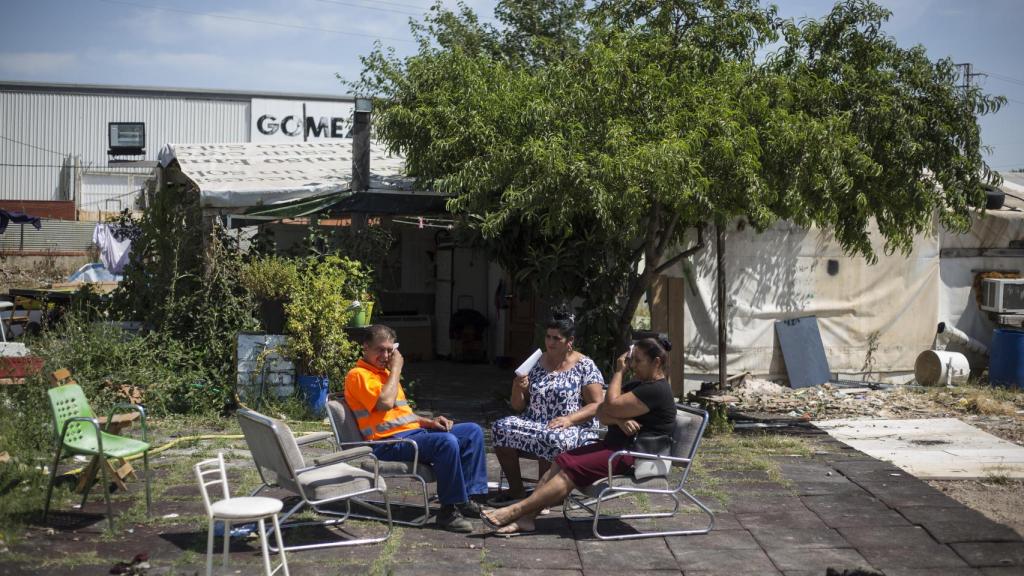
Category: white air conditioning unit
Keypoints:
(1003, 295)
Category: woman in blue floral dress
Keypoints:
(557, 402)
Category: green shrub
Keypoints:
(103, 358)
(270, 277)
(317, 315)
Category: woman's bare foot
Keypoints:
(521, 526)
(504, 524)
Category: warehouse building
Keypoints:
(57, 159)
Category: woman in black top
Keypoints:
(642, 406)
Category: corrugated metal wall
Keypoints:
(40, 130)
(55, 235)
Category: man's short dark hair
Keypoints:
(376, 332)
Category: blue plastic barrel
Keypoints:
(1006, 358)
(314, 393)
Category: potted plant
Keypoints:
(358, 278)
(317, 314)
(271, 280)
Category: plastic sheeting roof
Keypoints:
(247, 175)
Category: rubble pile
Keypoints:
(1002, 416)
(828, 401)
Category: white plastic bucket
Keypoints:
(941, 367)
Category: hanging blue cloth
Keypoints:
(18, 218)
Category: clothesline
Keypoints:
(427, 222)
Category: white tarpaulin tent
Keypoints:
(239, 176)
(874, 319)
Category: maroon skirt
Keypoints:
(589, 463)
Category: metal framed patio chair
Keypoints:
(330, 480)
(347, 435)
(77, 431)
(585, 505)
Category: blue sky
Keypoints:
(299, 45)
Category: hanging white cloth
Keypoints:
(113, 252)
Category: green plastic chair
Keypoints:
(77, 431)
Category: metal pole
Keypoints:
(720, 266)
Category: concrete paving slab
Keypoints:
(996, 554)
(413, 554)
(746, 503)
(847, 510)
(561, 540)
(533, 558)
(627, 556)
(715, 540)
(872, 471)
(807, 471)
(848, 519)
(892, 536)
(968, 531)
(603, 572)
(926, 514)
(863, 502)
(933, 448)
(963, 571)
(903, 494)
(780, 538)
(937, 558)
(843, 486)
(752, 572)
(725, 562)
(796, 518)
(726, 521)
(888, 547)
(535, 572)
(1000, 571)
(816, 561)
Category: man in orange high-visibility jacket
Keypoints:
(454, 451)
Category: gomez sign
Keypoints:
(298, 120)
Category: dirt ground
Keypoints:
(999, 500)
(998, 411)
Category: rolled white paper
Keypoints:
(525, 367)
(395, 347)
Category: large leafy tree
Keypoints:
(580, 141)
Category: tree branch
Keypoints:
(670, 230)
(685, 253)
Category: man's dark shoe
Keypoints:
(449, 518)
(469, 509)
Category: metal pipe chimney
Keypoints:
(361, 145)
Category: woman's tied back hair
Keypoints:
(563, 320)
(656, 347)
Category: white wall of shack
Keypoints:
(874, 318)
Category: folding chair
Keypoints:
(329, 480)
(347, 435)
(689, 429)
(77, 431)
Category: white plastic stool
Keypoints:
(5, 306)
(245, 509)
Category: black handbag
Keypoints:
(651, 443)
